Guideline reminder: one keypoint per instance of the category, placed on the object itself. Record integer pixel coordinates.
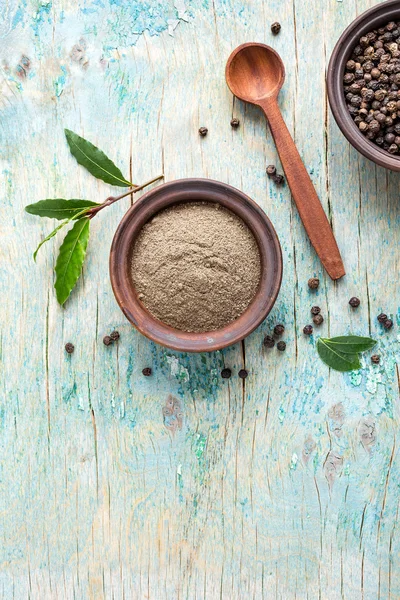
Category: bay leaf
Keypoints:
(350, 344)
(338, 361)
(94, 160)
(59, 208)
(71, 258)
(51, 235)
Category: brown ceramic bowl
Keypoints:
(195, 190)
(371, 19)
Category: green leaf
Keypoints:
(59, 208)
(335, 359)
(94, 160)
(46, 239)
(70, 259)
(350, 344)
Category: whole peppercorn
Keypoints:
(69, 348)
(271, 170)
(363, 126)
(107, 341)
(203, 131)
(226, 373)
(313, 283)
(114, 335)
(382, 318)
(281, 346)
(278, 179)
(348, 78)
(308, 329)
(243, 373)
(315, 310)
(279, 329)
(275, 28)
(375, 359)
(393, 149)
(235, 123)
(388, 324)
(146, 371)
(318, 319)
(350, 65)
(269, 341)
(354, 302)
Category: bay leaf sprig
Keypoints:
(342, 353)
(72, 251)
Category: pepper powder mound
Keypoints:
(196, 266)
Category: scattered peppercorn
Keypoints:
(203, 131)
(375, 359)
(107, 340)
(281, 346)
(308, 329)
(269, 341)
(226, 373)
(114, 335)
(235, 123)
(275, 28)
(313, 283)
(388, 324)
(146, 371)
(318, 319)
(243, 373)
(278, 179)
(382, 318)
(69, 347)
(354, 302)
(271, 170)
(279, 329)
(371, 86)
(315, 310)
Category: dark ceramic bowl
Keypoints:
(373, 18)
(195, 190)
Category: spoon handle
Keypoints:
(308, 204)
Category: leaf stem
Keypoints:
(111, 199)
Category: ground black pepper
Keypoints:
(313, 283)
(243, 373)
(371, 85)
(275, 28)
(269, 341)
(226, 373)
(354, 302)
(69, 348)
(281, 346)
(146, 371)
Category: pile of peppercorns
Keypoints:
(372, 86)
(269, 341)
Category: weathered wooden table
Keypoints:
(283, 486)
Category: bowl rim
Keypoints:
(187, 190)
(370, 19)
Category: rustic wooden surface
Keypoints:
(182, 485)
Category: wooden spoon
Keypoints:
(255, 73)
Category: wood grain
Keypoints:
(182, 485)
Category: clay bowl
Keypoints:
(186, 190)
(371, 19)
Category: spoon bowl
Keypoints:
(255, 72)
